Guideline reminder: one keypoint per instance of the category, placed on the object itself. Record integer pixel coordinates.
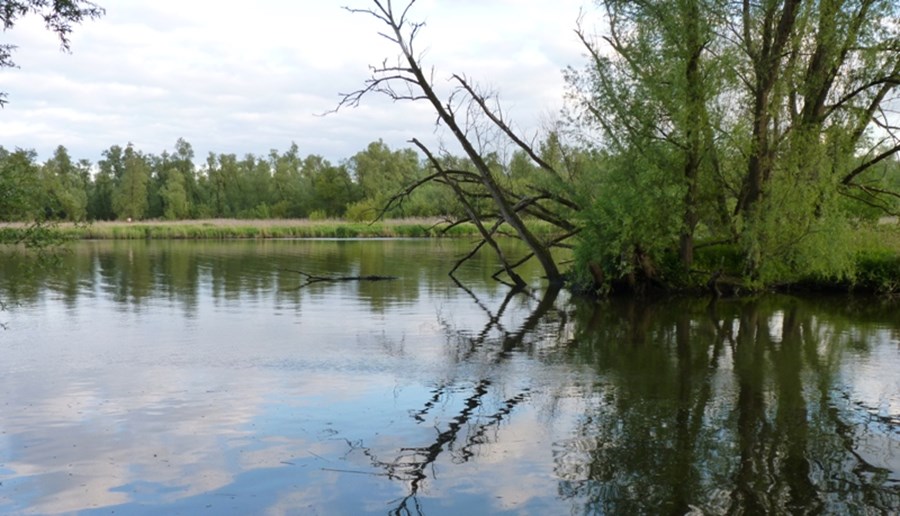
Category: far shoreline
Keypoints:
(214, 229)
(877, 267)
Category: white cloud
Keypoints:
(233, 78)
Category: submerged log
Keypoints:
(312, 278)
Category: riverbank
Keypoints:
(872, 265)
(211, 229)
(876, 268)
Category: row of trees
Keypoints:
(129, 184)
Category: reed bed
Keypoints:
(221, 229)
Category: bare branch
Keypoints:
(870, 202)
(554, 243)
(887, 84)
(503, 126)
(485, 234)
(865, 166)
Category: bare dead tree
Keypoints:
(407, 80)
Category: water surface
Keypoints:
(186, 377)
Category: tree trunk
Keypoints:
(694, 133)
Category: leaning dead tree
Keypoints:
(466, 112)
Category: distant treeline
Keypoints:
(128, 183)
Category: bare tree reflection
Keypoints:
(477, 421)
(545, 322)
(460, 438)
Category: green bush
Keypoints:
(361, 211)
(318, 215)
(878, 271)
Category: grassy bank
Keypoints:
(878, 262)
(253, 229)
(875, 267)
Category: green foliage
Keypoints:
(329, 188)
(361, 211)
(65, 187)
(633, 212)
(795, 233)
(224, 229)
(174, 197)
(287, 184)
(261, 211)
(129, 200)
(127, 183)
(760, 125)
(878, 271)
(318, 215)
(382, 173)
(19, 185)
(718, 256)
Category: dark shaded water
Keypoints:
(182, 377)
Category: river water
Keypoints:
(207, 378)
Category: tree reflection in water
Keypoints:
(723, 408)
(463, 433)
(735, 408)
(471, 426)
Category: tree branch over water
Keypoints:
(407, 80)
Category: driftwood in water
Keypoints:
(722, 285)
(312, 278)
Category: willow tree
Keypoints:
(651, 90)
(817, 78)
(465, 113)
(741, 122)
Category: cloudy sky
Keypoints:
(237, 78)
